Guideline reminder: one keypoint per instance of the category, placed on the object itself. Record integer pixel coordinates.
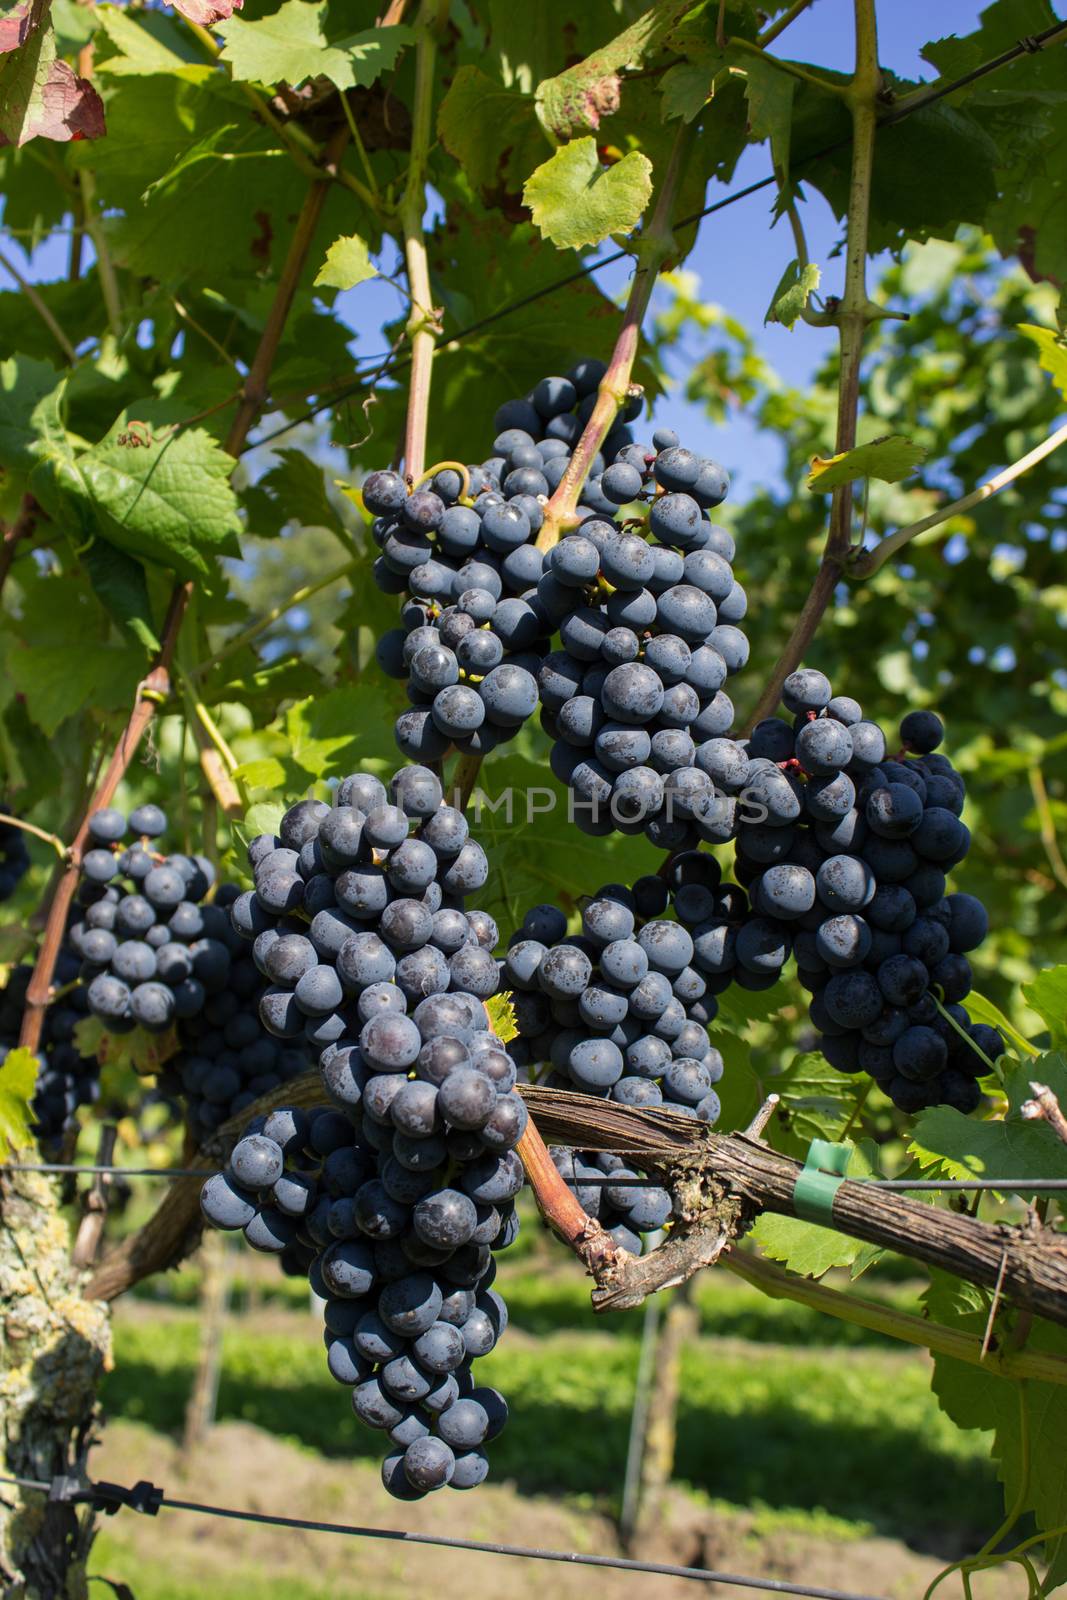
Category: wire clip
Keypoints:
(106, 1497)
(819, 1179)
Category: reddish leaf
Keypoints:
(42, 98)
(18, 22)
(207, 12)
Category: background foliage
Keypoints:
(170, 195)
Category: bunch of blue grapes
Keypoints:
(480, 607)
(847, 872)
(14, 859)
(636, 690)
(150, 950)
(365, 895)
(395, 1198)
(621, 1009)
(226, 1058)
(66, 1080)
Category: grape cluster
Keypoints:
(348, 898)
(227, 1059)
(636, 691)
(14, 859)
(393, 1205)
(621, 1009)
(150, 951)
(479, 609)
(393, 1201)
(66, 1080)
(847, 871)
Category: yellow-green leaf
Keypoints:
(1052, 352)
(889, 459)
(795, 287)
(17, 1078)
(575, 201)
(501, 1014)
(347, 263)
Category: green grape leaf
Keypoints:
(264, 817)
(965, 1147)
(1047, 995)
(584, 94)
(575, 201)
(347, 263)
(687, 88)
(56, 681)
(1052, 351)
(769, 92)
(490, 130)
(1027, 1420)
(333, 734)
(161, 496)
(807, 1248)
(795, 288)
(205, 149)
(501, 1015)
(121, 586)
(18, 1075)
(140, 50)
(42, 98)
(290, 46)
(294, 490)
(889, 459)
(24, 383)
(816, 1102)
(265, 773)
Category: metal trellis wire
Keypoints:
(149, 1499)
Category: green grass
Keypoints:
(856, 1435)
(157, 1580)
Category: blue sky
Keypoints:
(737, 258)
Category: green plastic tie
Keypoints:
(819, 1179)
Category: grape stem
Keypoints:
(656, 246)
(865, 563)
(39, 833)
(852, 315)
(422, 326)
(217, 761)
